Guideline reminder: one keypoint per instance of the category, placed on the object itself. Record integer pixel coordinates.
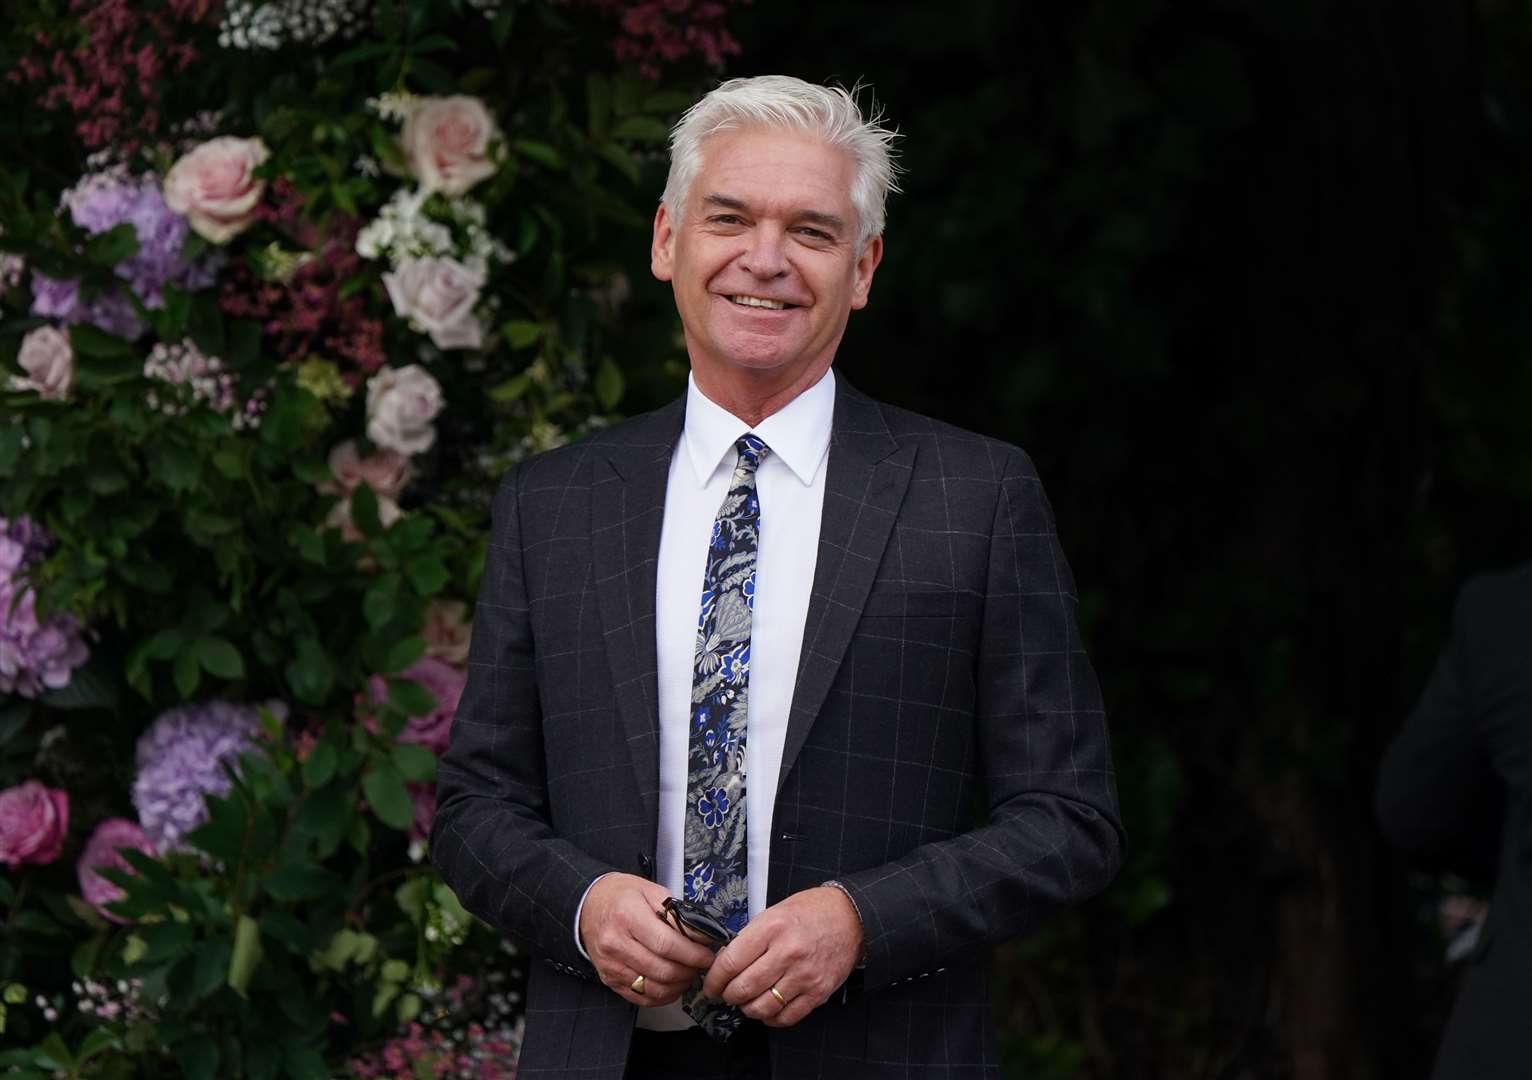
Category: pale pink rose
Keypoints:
(447, 140)
(48, 359)
(401, 403)
(386, 472)
(437, 296)
(447, 630)
(339, 517)
(433, 730)
(215, 188)
(33, 822)
(101, 853)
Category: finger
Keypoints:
(666, 941)
(766, 1006)
(796, 1009)
(632, 956)
(736, 957)
(620, 981)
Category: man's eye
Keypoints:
(726, 219)
(815, 234)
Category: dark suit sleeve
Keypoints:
(491, 839)
(1438, 795)
(1053, 834)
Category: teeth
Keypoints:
(756, 301)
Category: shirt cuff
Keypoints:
(578, 943)
(861, 961)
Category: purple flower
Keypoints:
(180, 763)
(99, 202)
(35, 654)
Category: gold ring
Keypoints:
(637, 985)
(782, 1001)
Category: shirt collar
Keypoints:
(798, 433)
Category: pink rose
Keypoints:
(433, 730)
(48, 359)
(386, 472)
(101, 853)
(214, 186)
(446, 141)
(401, 403)
(33, 822)
(447, 630)
(437, 296)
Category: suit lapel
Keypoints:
(868, 473)
(626, 511)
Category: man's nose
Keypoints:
(766, 256)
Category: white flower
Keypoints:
(401, 403)
(451, 228)
(447, 140)
(438, 296)
(214, 186)
(48, 359)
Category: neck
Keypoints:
(753, 396)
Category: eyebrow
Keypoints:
(814, 217)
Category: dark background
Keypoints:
(1249, 281)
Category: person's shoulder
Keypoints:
(948, 447)
(1497, 600)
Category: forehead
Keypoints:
(770, 168)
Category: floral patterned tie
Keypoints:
(714, 846)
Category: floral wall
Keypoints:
(284, 287)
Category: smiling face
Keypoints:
(764, 265)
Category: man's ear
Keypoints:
(663, 247)
(866, 263)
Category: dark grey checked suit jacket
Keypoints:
(946, 755)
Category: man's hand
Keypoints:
(805, 946)
(625, 939)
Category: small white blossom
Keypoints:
(271, 24)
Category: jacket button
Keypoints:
(645, 863)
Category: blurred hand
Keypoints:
(805, 946)
(625, 938)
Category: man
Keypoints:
(764, 651)
(1454, 792)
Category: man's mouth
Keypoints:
(760, 302)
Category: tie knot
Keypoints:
(752, 451)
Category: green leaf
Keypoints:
(410, 698)
(539, 152)
(404, 653)
(210, 968)
(511, 390)
(92, 686)
(292, 882)
(609, 384)
(387, 795)
(304, 1062)
(311, 674)
(109, 248)
(320, 764)
(219, 657)
(379, 601)
(262, 1058)
(521, 333)
(166, 941)
(223, 834)
(646, 129)
(326, 816)
(91, 341)
(246, 955)
(188, 676)
(198, 1057)
(364, 511)
(179, 470)
(415, 763)
(429, 575)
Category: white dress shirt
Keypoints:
(791, 486)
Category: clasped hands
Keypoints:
(803, 947)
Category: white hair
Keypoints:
(829, 113)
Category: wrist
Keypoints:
(861, 957)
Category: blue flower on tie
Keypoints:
(719, 540)
(699, 881)
(709, 601)
(734, 665)
(748, 588)
(713, 806)
(702, 716)
(753, 506)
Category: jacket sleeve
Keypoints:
(491, 838)
(1053, 834)
(1438, 795)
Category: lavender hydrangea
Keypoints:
(180, 763)
(35, 654)
(102, 201)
